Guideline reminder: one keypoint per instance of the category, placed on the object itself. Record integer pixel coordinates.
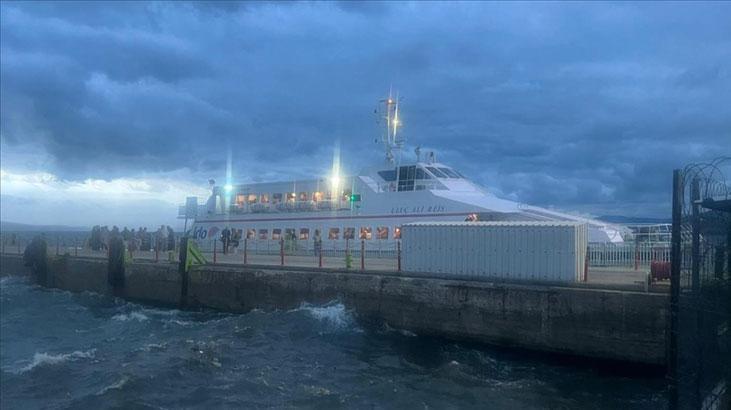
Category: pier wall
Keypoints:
(606, 324)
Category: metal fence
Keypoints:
(699, 355)
(622, 256)
(627, 255)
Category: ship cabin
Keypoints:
(332, 195)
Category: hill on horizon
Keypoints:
(7, 226)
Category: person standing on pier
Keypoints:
(226, 239)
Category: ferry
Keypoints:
(370, 206)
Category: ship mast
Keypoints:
(388, 120)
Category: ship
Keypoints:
(370, 206)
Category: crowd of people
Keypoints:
(141, 239)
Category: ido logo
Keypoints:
(203, 233)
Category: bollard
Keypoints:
(214, 251)
(362, 254)
(281, 251)
(398, 256)
(35, 257)
(246, 251)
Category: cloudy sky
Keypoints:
(113, 113)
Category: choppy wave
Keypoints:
(334, 314)
(46, 359)
(114, 386)
(125, 317)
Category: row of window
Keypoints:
(413, 172)
(278, 198)
(366, 232)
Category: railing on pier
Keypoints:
(376, 253)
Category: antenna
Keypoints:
(388, 118)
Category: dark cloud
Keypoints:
(574, 105)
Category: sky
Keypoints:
(113, 113)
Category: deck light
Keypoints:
(228, 188)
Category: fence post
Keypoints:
(281, 251)
(157, 253)
(637, 255)
(319, 263)
(57, 245)
(675, 261)
(398, 255)
(214, 251)
(246, 251)
(586, 265)
(18, 246)
(362, 254)
(695, 196)
(76, 248)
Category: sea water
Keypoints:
(65, 350)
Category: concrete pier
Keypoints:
(598, 323)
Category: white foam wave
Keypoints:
(333, 314)
(140, 317)
(46, 359)
(161, 312)
(114, 386)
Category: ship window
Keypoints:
(219, 205)
(420, 187)
(437, 173)
(291, 196)
(276, 198)
(333, 234)
(407, 173)
(406, 185)
(252, 199)
(264, 198)
(366, 232)
(317, 196)
(382, 232)
(303, 196)
(348, 233)
(276, 233)
(289, 234)
(346, 195)
(328, 195)
(397, 232)
(388, 175)
(305, 233)
(240, 200)
(263, 233)
(449, 172)
(421, 174)
(250, 233)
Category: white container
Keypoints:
(552, 251)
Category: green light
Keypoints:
(355, 198)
